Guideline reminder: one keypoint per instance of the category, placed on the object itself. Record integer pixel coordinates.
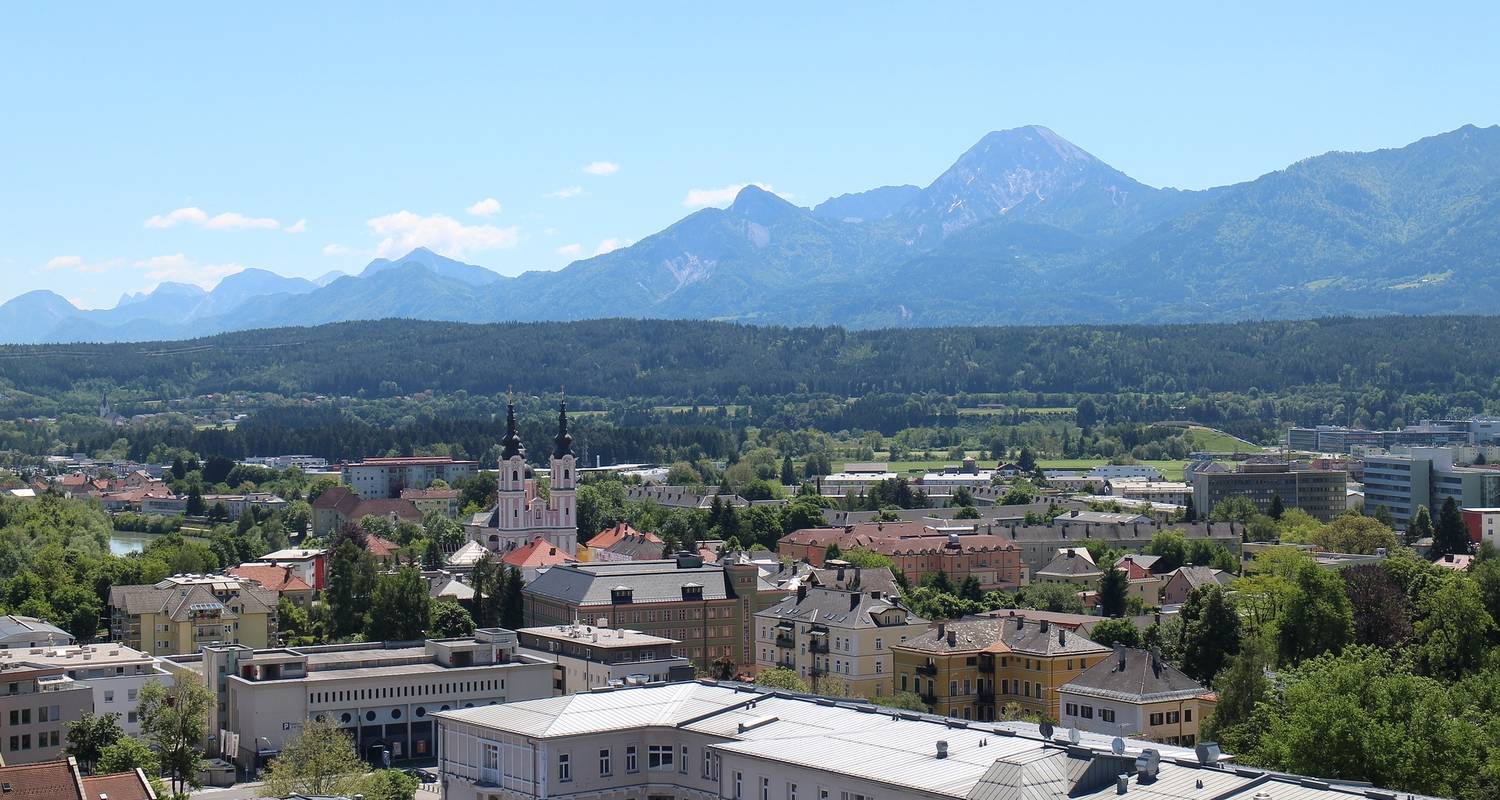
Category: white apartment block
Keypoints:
(113, 672)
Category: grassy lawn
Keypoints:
(1215, 440)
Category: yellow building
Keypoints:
(975, 667)
(838, 640)
(183, 613)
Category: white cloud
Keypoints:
(570, 250)
(601, 168)
(488, 207)
(611, 244)
(700, 198)
(77, 264)
(300, 226)
(180, 268)
(404, 231)
(336, 250)
(227, 221)
(191, 214)
(565, 193)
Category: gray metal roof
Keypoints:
(838, 608)
(1142, 679)
(24, 630)
(592, 584)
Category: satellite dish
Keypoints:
(1117, 746)
(1046, 729)
(1073, 735)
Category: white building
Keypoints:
(589, 657)
(520, 515)
(29, 632)
(1111, 471)
(384, 478)
(857, 476)
(699, 741)
(113, 672)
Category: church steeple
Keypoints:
(562, 443)
(512, 441)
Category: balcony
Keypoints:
(818, 645)
(986, 695)
(930, 700)
(986, 663)
(930, 670)
(785, 640)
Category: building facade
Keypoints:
(114, 673)
(589, 658)
(709, 608)
(37, 701)
(1136, 694)
(1425, 476)
(183, 613)
(838, 640)
(377, 478)
(1321, 493)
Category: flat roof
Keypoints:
(608, 637)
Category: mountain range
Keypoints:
(1025, 227)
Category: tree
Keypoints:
(194, 507)
(831, 552)
(1450, 639)
(963, 497)
(1027, 460)
(1058, 597)
(1171, 547)
(1241, 685)
(966, 512)
(1114, 587)
(781, 678)
(89, 735)
(351, 581)
(908, 701)
(1210, 632)
(513, 615)
(399, 607)
(788, 471)
(173, 721)
(1116, 631)
(1420, 527)
(1237, 509)
(1379, 606)
(1276, 508)
(1451, 535)
(1384, 516)
(320, 760)
(1349, 533)
(387, 784)
(179, 469)
(971, 590)
(450, 619)
(939, 582)
(125, 755)
(1317, 618)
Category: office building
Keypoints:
(838, 640)
(1405, 479)
(382, 693)
(1135, 693)
(182, 613)
(589, 657)
(1321, 493)
(709, 608)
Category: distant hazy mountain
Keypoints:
(875, 204)
(1023, 227)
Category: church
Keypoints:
(520, 514)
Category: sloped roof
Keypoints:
(537, 553)
(1200, 576)
(277, 579)
(609, 536)
(61, 780)
(179, 601)
(1041, 638)
(1069, 565)
(838, 608)
(651, 581)
(637, 547)
(1142, 679)
(468, 555)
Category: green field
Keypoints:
(1213, 440)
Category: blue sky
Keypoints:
(304, 138)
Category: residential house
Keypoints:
(283, 580)
(338, 506)
(182, 613)
(1180, 582)
(531, 559)
(62, 780)
(1137, 694)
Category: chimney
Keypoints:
(942, 629)
(942, 749)
(854, 598)
(952, 638)
(1062, 636)
(1122, 784)
(1044, 626)
(1155, 657)
(801, 591)
(1119, 657)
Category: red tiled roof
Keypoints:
(536, 554)
(119, 786)
(408, 461)
(60, 780)
(355, 508)
(609, 536)
(278, 579)
(380, 547)
(429, 494)
(891, 538)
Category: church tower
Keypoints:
(511, 507)
(563, 500)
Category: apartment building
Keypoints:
(37, 701)
(183, 613)
(731, 742)
(838, 640)
(709, 608)
(972, 667)
(1174, 493)
(1319, 492)
(1073, 566)
(338, 506)
(1135, 693)
(114, 673)
(430, 501)
(311, 565)
(385, 478)
(1483, 525)
(590, 657)
(284, 581)
(382, 693)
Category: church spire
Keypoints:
(562, 443)
(511, 444)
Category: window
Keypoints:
(564, 767)
(682, 764)
(952, 688)
(109, 695)
(630, 760)
(737, 780)
(967, 687)
(491, 758)
(1155, 719)
(1187, 715)
(130, 694)
(903, 681)
(659, 756)
(1071, 709)
(604, 766)
(708, 764)
(879, 645)
(1107, 714)
(1171, 717)
(791, 791)
(1087, 712)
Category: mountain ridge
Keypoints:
(1024, 226)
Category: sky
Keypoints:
(147, 143)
